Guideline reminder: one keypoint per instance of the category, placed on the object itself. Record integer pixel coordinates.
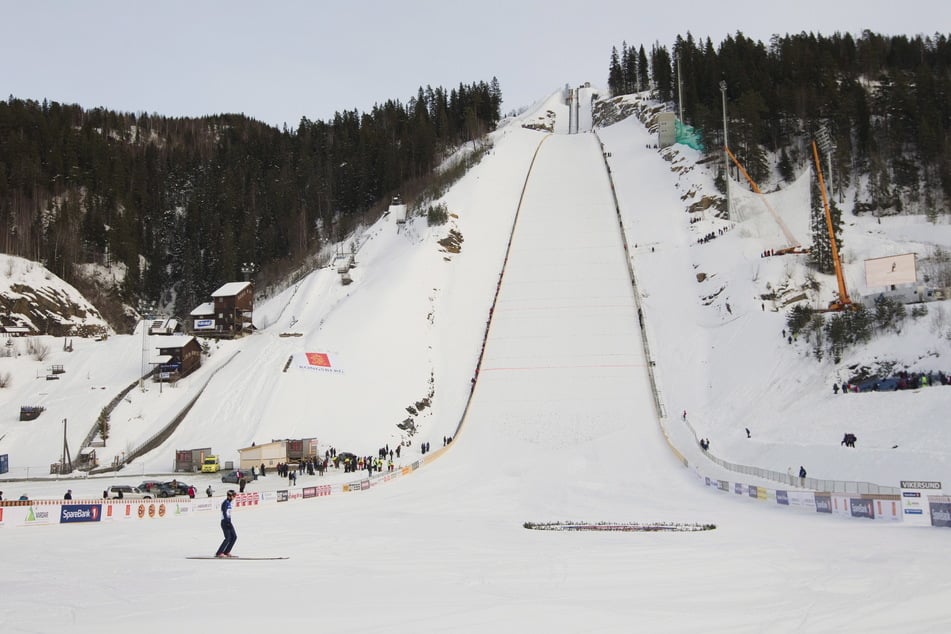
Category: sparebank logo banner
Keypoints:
(823, 504)
(72, 513)
(862, 508)
(782, 497)
(941, 514)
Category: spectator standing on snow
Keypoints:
(209, 492)
(227, 527)
(802, 475)
(69, 494)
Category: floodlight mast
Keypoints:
(726, 160)
(844, 299)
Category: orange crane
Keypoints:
(844, 301)
(793, 244)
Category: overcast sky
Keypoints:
(281, 60)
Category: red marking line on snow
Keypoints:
(564, 367)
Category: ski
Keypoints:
(236, 558)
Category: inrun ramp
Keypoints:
(563, 393)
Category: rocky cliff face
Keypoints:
(31, 297)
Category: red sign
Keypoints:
(319, 359)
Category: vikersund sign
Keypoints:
(915, 497)
(920, 484)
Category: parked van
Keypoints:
(210, 465)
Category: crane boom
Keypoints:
(790, 240)
(844, 299)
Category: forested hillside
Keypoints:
(183, 203)
(885, 102)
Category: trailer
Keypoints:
(190, 460)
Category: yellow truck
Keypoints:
(210, 465)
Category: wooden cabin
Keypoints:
(178, 356)
(228, 314)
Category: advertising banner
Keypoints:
(149, 510)
(4, 463)
(888, 510)
(204, 324)
(30, 515)
(914, 500)
(313, 492)
(115, 511)
(890, 270)
(805, 500)
(205, 505)
(823, 503)
(247, 499)
(73, 513)
(782, 497)
(860, 507)
(322, 362)
(940, 514)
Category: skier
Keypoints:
(227, 527)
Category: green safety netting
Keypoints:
(687, 135)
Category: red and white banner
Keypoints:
(318, 362)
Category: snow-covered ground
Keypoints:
(561, 426)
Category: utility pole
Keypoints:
(145, 308)
(248, 269)
(726, 157)
(680, 94)
(67, 460)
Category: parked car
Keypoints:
(235, 476)
(146, 486)
(126, 491)
(171, 489)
